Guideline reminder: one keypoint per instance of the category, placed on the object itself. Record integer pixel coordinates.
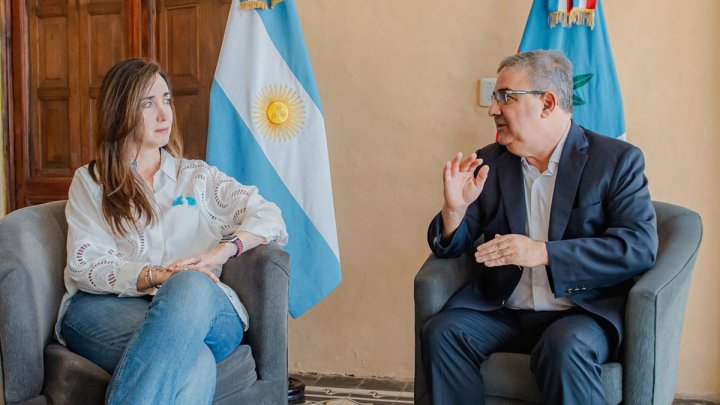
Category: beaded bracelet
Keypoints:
(236, 241)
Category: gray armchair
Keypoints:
(653, 322)
(35, 370)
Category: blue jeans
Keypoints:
(160, 351)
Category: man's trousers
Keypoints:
(567, 351)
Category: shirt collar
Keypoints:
(555, 157)
(168, 164)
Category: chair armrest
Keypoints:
(32, 258)
(656, 309)
(436, 282)
(260, 278)
(72, 379)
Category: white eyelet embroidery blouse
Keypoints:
(197, 205)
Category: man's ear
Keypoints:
(549, 104)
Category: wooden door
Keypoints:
(60, 50)
(190, 34)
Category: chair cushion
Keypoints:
(508, 375)
(72, 379)
(235, 373)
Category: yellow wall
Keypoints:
(397, 80)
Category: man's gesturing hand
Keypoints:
(512, 249)
(461, 187)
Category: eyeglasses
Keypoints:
(501, 96)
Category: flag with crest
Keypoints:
(267, 129)
(577, 28)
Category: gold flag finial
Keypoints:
(257, 4)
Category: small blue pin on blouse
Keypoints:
(184, 200)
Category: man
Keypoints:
(567, 222)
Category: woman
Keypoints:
(148, 233)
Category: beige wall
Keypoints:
(397, 80)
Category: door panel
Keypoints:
(104, 40)
(70, 45)
(60, 51)
(190, 35)
(49, 154)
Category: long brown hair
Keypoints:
(125, 198)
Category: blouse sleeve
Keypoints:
(234, 207)
(93, 259)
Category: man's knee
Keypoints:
(436, 333)
(463, 331)
(565, 349)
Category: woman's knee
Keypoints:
(189, 296)
(189, 284)
(189, 278)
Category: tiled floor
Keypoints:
(345, 390)
(695, 402)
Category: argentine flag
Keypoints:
(577, 28)
(266, 129)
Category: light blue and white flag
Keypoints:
(577, 27)
(267, 129)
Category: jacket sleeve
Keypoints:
(626, 247)
(462, 239)
(93, 259)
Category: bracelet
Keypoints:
(152, 276)
(236, 241)
(240, 247)
(147, 277)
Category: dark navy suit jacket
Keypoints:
(602, 226)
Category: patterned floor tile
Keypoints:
(347, 390)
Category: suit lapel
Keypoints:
(512, 188)
(572, 162)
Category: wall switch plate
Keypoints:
(486, 86)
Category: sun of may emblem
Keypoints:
(279, 112)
